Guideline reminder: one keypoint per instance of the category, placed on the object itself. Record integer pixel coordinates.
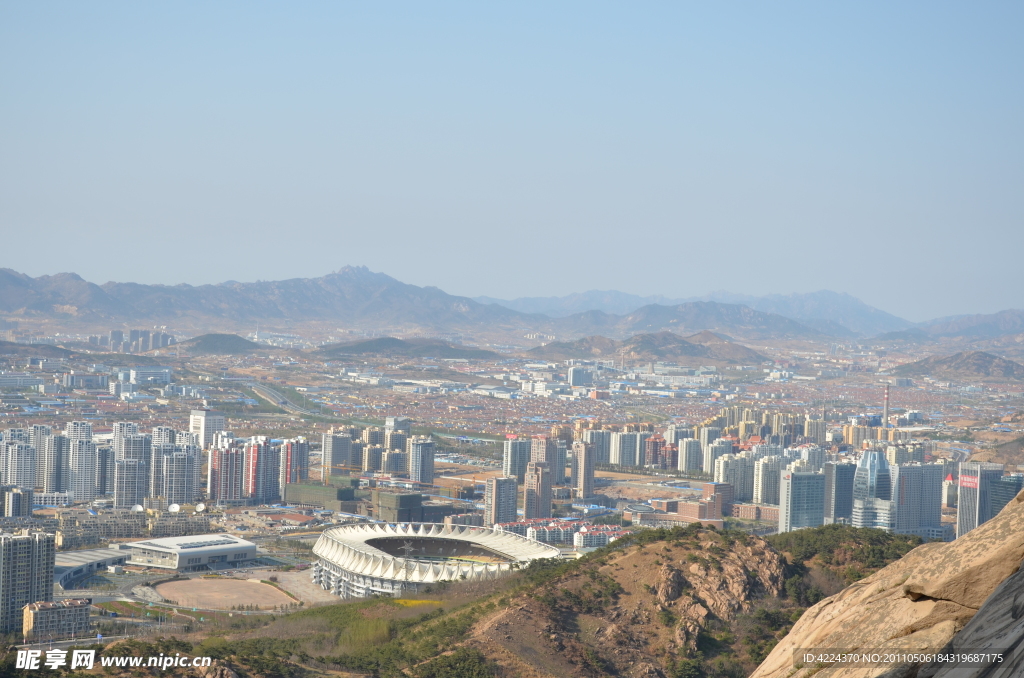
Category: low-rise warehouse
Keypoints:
(194, 553)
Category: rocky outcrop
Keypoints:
(217, 669)
(997, 629)
(917, 604)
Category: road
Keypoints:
(278, 399)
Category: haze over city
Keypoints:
(872, 149)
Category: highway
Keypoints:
(278, 399)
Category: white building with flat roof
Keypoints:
(193, 553)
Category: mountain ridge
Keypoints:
(356, 296)
(824, 310)
(663, 345)
(965, 364)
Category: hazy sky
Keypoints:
(523, 149)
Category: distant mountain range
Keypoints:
(657, 346)
(963, 365)
(358, 298)
(828, 312)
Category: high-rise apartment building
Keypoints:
(691, 457)
(18, 465)
(395, 439)
(813, 455)
(262, 470)
(815, 430)
(26, 575)
(164, 435)
(917, 500)
(337, 453)
(294, 462)
(138, 446)
(767, 478)
(543, 449)
(181, 472)
(974, 505)
(500, 500)
(82, 470)
(37, 434)
(155, 466)
(738, 471)
(872, 491)
(15, 502)
(104, 471)
(839, 492)
(624, 449)
(801, 500)
(205, 423)
(714, 450)
(373, 435)
(583, 455)
(54, 458)
(421, 459)
(537, 491)
(602, 442)
(707, 435)
(225, 474)
(373, 458)
(1003, 492)
(131, 480)
(515, 457)
(78, 430)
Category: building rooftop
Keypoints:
(196, 541)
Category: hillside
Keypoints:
(662, 345)
(219, 344)
(847, 552)
(409, 348)
(36, 350)
(963, 365)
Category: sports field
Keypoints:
(222, 593)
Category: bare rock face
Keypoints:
(216, 670)
(998, 628)
(671, 585)
(917, 604)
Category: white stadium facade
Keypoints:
(356, 561)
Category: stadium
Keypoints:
(356, 561)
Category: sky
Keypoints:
(523, 149)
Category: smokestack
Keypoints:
(885, 408)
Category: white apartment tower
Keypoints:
(204, 423)
(421, 459)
